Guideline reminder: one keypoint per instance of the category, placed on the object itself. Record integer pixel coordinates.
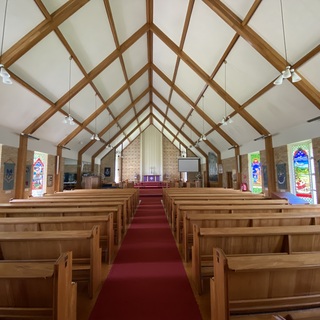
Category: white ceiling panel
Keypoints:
(174, 118)
(80, 30)
(131, 127)
(169, 16)
(19, 104)
(46, 64)
(159, 116)
(207, 38)
(139, 85)
(307, 71)
(18, 22)
(180, 104)
(274, 106)
(240, 131)
(120, 104)
(298, 16)
(239, 7)
(159, 103)
(161, 86)
(136, 56)
(144, 115)
(242, 79)
(110, 80)
(189, 82)
(163, 57)
(142, 103)
(128, 117)
(129, 16)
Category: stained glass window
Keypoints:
(255, 172)
(303, 171)
(38, 181)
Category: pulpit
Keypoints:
(151, 178)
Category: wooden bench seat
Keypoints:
(182, 210)
(250, 241)
(259, 284)
(25, 208)
(48, 245)
(36, 290)
(177, 215)
(169, 202)
(221, 220)
(41, 223)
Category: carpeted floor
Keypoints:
(147, 280)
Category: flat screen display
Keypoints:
(189, 164)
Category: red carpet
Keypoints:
(147, 280)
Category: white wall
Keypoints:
(151, 151)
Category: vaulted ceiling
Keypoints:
(119, 66)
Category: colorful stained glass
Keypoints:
(256, 181)
(302, 173)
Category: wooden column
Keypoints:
(271, 172)
(238, 166)
(79, 173)
(57, 174)
(21, 167)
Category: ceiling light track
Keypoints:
(263, 137)
(30, 136)
(314, 119)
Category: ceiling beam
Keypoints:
(264, 49)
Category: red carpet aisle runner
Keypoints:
(147, 280)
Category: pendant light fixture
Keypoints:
(289, 71)
(4, 74)
(95, 135)
(226, 119)
(68, 119)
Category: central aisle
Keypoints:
(147, 280)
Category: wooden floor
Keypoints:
(84, 304)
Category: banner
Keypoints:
(8, 176)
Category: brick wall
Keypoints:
(108, 161)
(170, 160)
(131, 160)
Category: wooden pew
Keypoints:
(185, 193)
(262, 284)
(251, 240)
(182, 205)
(130, 196)
(41, 223)
(241, 220)
(133, 193)
(47, 245)
(68, 208)
(183, 209)
(36, 290)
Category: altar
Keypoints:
(151, 178)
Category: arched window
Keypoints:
(39, 174)
(255, 172)
(303, 174)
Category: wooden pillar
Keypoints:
(238, 167)
(21, 167)
(92, 164)
(79, 173)
(206, 174)
(57, 174)
(271, 172)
